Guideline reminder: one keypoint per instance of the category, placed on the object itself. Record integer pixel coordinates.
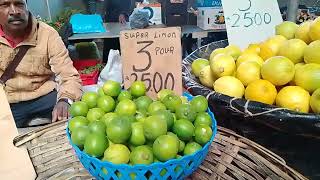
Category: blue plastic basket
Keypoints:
(175, 168)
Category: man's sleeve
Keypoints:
(69, 81)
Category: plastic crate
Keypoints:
(175, 168)
(87, 79)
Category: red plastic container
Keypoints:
(87, 79)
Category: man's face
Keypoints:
(13, 15)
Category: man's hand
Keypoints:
(122, 19)
(60, 111)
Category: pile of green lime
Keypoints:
(128, 127)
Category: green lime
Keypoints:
(106, 103)
(137, 89)
(203, 134)
(199, 104)
(106, 118)
(153, 127)
(117, 154)
(94, 114)
(156, 106)
(126, 107)
(77, 122)
(119, 130)
(184, 129)
(96, 144)
(185, 111)
(79, 135)
(90, 98)
(172, 102)
(167, 116)
(203, 118)
(79, 108)
(191, 148)
(137, 137)
(143, 103)
(124, 95)
(141, 155)
(165, 147)
(111, 88)
(97, 127)
(163, 93)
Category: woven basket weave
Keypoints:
(230, 157)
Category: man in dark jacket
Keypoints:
(116, 11)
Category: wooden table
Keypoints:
(113, 31)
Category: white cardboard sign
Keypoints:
(250, 21)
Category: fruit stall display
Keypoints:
(123, 134)
(277, 80)
(54, 158)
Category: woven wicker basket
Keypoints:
(230, 157)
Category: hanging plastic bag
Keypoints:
(139, 19)
(113, 69)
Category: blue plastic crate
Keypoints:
(176, 168)
(208, 3)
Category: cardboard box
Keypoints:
(211, 18)
(154, 12)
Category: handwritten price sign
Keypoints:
(153, 56)
(250, 21)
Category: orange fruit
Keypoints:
(111, 88)
(90, 98)
(94, 114)
(199, 104)
(153, 127)
(106, 103)
(261, 91)
(96, 144)
(79, 109)
(119, 130)
(126, 107)
(79, 135)
(203, 134)
(141, 155)
(203, 118)
(165, 147)
(185, 111)
(191, 148)
(137, 89)
(184, 129)
(77, 122)
(156, 106)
